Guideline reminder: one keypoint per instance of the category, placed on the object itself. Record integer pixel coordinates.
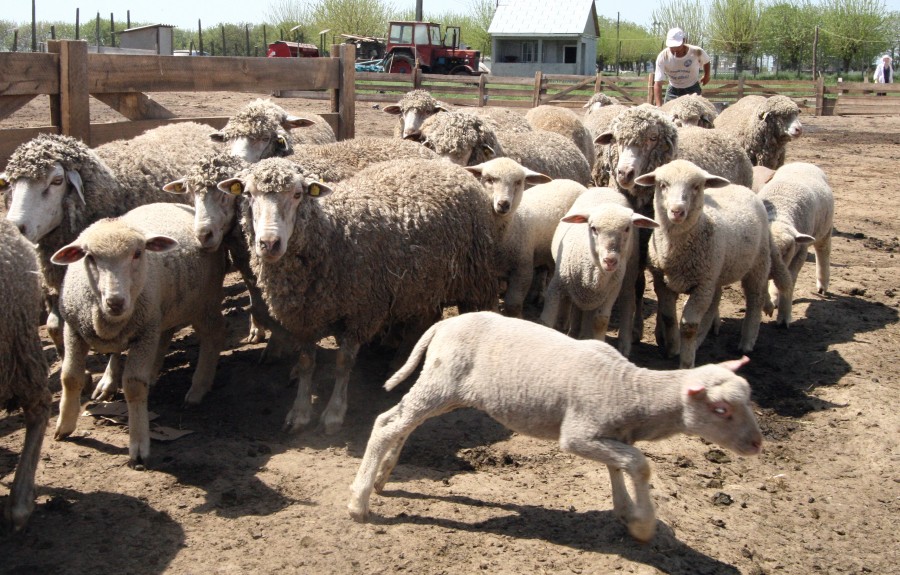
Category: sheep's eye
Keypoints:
(593, 230)
(628, 229)
(89, 259)
(137, 255)
(298, 194)
(57, 181)
(488, 180)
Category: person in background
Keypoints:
(884, 74)
(681, 64)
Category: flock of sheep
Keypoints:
(372, 238)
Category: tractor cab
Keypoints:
(409, 43)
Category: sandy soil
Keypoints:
(240, 496)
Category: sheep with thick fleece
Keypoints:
(392, 244)
(584, 394)
(263, 129)
(548, 153)
(599, 100)
(801, 209)
(340, 160)
(131, 283)
(412, 110)
(691, 110)
(711, 234)
(565, 123)
(504, 182)
(763, 127)
(598, 120)
(716, 152)
(594, 249)
(464, 139)
(57, 186)
(23, 369)
(500, 118)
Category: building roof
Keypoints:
(544, 17)
(146, 27)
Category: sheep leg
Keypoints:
(112, 379)
(139, 372)
(21, 494)
(388, 463)
(710, 317)
(72, 376)
(822, 248)
(301, 413)
(55, 328)
(781, 290)
(550, 313)
(666, 318)
(211, 332)
(333, 416)
(519, 282)
(640, 518)
(162, 348)
(623, 507)
(627, 307)
(576, 319)
(696, 309)
(754, 284)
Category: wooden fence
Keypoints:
(69, 75)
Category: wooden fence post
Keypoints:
(70, 110)
(417, 76)
(598, 83)
(740, 88)
(820, 95)
(482, 97)
(343, 99)
(536, 96)
(650, 89)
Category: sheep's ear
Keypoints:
(176, 187)
(475, 170)
(535, 178)
(233, 186)
(696, 391)
(648, 180)
(804, 239)
(292, 122)
(283, 145)
(640, 221)
(68, 255)
(316, 189)
(393, 109)
(4, 182)
(488, 152)
(441, 107)
(75, 179)
(604, 139)
(735, 364)
(217, 137)
(575, 219)
(160, 244)
(716, 181)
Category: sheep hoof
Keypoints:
(256, 336)
(642, 531)
(358, 512)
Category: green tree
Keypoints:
(734, 28)
(786, 32)
(856, 31)
(287, 15)
(361, 17)
(689, 15)
(636, 45)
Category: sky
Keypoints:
(185, 14)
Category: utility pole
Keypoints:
(618, 44)
(418, 10)
(815, 53)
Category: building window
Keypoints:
(529, 52)
(570, 54)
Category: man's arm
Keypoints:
(705, 79)
(657, 93)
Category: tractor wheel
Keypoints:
(461, 71)
(401, 64)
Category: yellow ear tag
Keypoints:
(281, 141)
(3, 183)
(179, 188)
(236, 189)
(314, 190)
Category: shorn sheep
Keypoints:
(23, 369)
(711, 234)
(763, 127)
(132, 282)
(583, 394)
(691, 110)
(801, 206)
(263, 129)
(565, 123)
(392, 244)
(595, 249)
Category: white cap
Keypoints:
(675, 37)
(886, 57)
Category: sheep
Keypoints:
(504, 182)
(584, 394)
(715, 152)
(500, 118)
(763, 127)
(711, 234)
(801, 206)
(392, 244)
(57, 186)
(592, 262)
(598, 121)
(340, 160)
(599, 100)
(468, 140)
(761, 176)
(23, 369)
(412, 110)
(131, 282)
(264, 129)
(565, 123)
(691, 110)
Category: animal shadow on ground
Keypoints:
(591, 531)
(116, 532)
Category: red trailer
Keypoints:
(283, 49)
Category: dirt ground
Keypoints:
(240, 496)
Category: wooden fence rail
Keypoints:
(69, 75)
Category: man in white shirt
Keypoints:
(681, 64)
(884, 74)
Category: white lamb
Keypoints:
(594, 247)
(538, 382)
(801, 205)
(707, 239)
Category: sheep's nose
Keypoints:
(115, 304)
(677, 214)
(269, 244)
(23, 229)
(503, 207)
(625, 175)
(205, 236)
(610, 263)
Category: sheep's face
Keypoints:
(215, 211)
(788, 241)
(412, 113)
(611, 230)
(717, 408)
(678, 191)
(504, 181)
(253, 149)
(114, 257)
(36, 206)
(790, 127)
(634, 154)
(275, 192)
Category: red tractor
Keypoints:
(282, 49)
(409, 42)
